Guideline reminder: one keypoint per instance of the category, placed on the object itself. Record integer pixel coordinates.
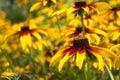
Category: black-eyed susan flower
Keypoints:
(80, 48)
(27, 33)
(82, 5)
(93, 34)
(37, 5)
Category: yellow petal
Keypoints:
(70, 10)
(62, 61)
(28, 40)
(36, 6)
(55, 1)
(100, 61)
(80, 57)
(23, 42)
(103, 4)
(40, 46)
(118, 13)
(115, 36)
(86, 9)
(100, 32)
(43, 32)
(59, 12)
(96, 37)
(37, 35)
(115, 47)
(56, 58)
(45, 2)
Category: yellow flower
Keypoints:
(27, 34)
(114, 2)
(37, 5)
(22, 2)
(93, 34)
(83, 5)
(81, 49)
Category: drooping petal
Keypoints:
(42, 32)
(70, 10)
(37, 35)
(105, 6)
(45, 2)
(56, 58)
(55, 1)
(118, 13)
(59, 12)
(36, 6)
(115, 47)
(98, 31)
(100, 61)
(23, 42)
(86, 9)
(116, 36)
(28, 40)
(62, 61)
(80, 57)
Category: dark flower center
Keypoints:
(78, 29)
(25, 28)
(115, 9)
(81, 43)
(80, 4)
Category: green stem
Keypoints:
(58, 26)
(109, 72)
(87, 71)
(83, 27)
(88, 68)
(8, 59)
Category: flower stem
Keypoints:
(83, 27)
(8, 59)
(87, 70)
(109, 72)
(81, 12)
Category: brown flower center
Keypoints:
(81, 43)
(80, 4)
(25, 28)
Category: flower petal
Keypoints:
(115, 36)
(100, 61)
(55, 1)
(36, 6)
(37, 35)
(56, 58)
(80, 57)
(59, 12)
(63, 60)
(70, 10)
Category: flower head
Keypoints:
(82, 5)
(27, 34)
(37, 5)
(81, 49)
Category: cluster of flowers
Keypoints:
(86, 33)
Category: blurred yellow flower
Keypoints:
(28, 33)
(37, 5)
(76, 9)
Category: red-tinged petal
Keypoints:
(73, 51)
(67, 50)
(80, 57)
(63, 60)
